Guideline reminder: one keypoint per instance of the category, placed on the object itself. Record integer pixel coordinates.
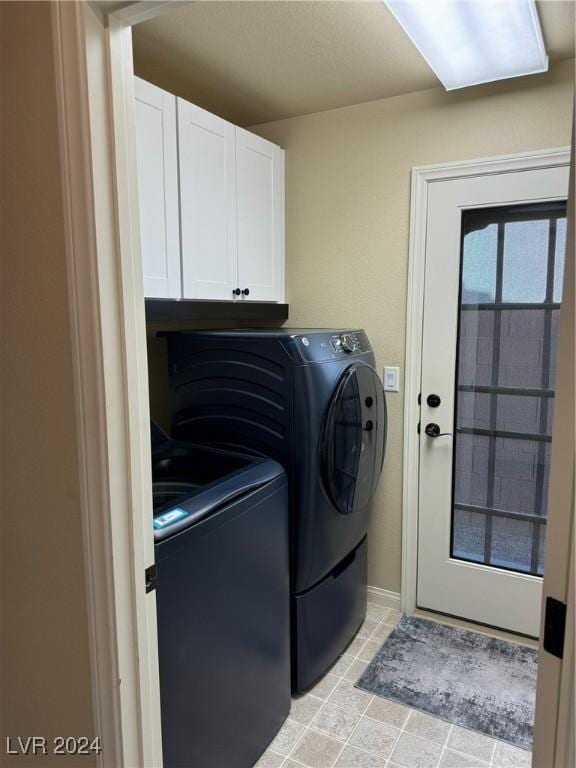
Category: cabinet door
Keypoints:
(157, 163)
(260, 205)
(207, 204)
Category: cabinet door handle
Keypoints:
(245, 292)
(236, 291)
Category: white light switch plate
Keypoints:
(391, 378)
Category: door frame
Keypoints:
(554, 726)
(95, 104)
(422, 176)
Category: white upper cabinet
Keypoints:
(157, 162)
(260, 212)
(211, 204)
(207, 204)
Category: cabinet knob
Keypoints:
(236, 291)
(246, 292)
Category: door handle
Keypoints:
(433, 430)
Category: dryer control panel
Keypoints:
(355, 341)
(331, 345)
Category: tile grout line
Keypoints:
(445, 745)
(381, 623)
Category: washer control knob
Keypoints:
(347, 343)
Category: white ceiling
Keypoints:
(256, 61)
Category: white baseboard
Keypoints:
(384, 597)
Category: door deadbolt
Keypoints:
(433, 401)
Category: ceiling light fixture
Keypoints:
(470, 42)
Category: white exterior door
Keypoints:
(157, 159)
(260, 189)
(494, 263)
(207, 204)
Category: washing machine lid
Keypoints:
(191, 483)
(353, 439)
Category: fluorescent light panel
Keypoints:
(469, 42)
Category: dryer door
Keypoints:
(354, 437)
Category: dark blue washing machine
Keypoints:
(311, 400)
(221, 545)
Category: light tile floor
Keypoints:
(335, 725)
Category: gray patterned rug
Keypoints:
(466, 678)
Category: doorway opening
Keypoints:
(137, 702)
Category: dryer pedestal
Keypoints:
(326, 618)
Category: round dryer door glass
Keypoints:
(354, 436)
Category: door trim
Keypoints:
(88, 358)
(554, 726)
(422, 176)
(95, 95)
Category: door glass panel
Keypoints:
(480, 265)
(512, 542)
(559, 258)
(469, 534)
(525, 260)
(511, 285)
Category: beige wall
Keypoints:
(45, 685)
(347, 221)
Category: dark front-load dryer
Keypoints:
(312, 400)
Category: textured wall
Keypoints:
(347, 220)
(45, 688)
